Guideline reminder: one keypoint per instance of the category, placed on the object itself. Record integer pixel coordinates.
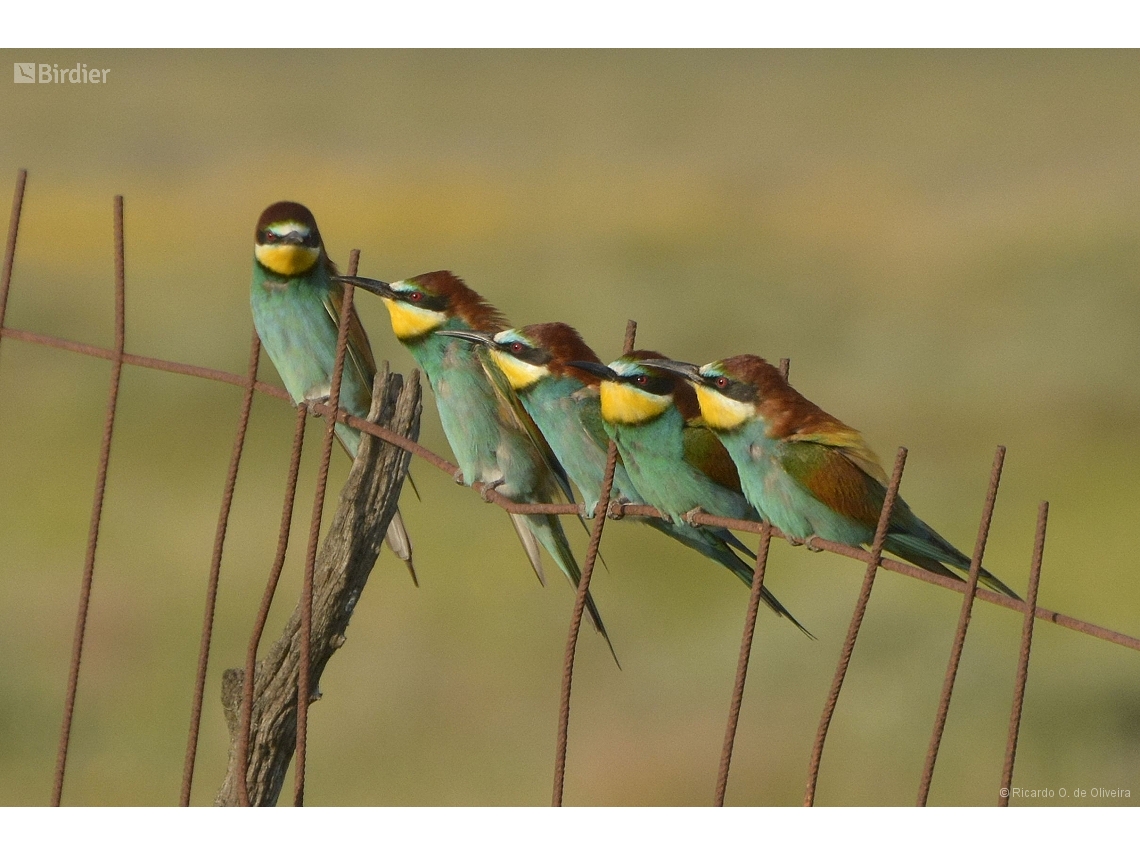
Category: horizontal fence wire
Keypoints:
(334, 415)
(444, 465)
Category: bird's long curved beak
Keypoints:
(292, 238)
(373, 285)
(598, 370)
(684, 370)
(469, 335)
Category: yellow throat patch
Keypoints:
(410, 321)
(622, 404)
(287, 259)
(720, 412)
(519, 374)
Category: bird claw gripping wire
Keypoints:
(312, 403)
(688, 517)
(487, 488)
(808, 542)
(616, 509)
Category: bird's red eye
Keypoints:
(641, 380)
(270, 237)
(721, 382)
(415, 296)
(516, 347)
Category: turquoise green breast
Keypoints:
(654, 457)
(572, 425)
(299, 336)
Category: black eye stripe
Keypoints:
(425, 301)
(526, 353)
(651, 383)
(737, 390)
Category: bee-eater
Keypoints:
(296, 310)
(493, 438)
(805, 471)
(670, 461)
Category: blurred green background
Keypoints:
(944, 243)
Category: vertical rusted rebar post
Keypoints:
(1023, 657)
(266, 604)
(853, 628)
(580, 604)
(742, 664)
(97, 506)
(963, 625)
(304, 690)
(10, 246)
(745, 650)
(215, 573)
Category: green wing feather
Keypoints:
(512, 406)
(706, 453)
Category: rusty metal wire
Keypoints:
(1023, 656)
(853, 628)
(873, 559)
(742, 665)
(10, 245)
(580, 603)
(215, 574)
(963, 625)
(745, 649)
(97, 506)
(267, 603)
(304, 691)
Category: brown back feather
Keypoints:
(564, 344)
(791, 416)
(476, 312)
(841, 484)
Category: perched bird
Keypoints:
(493, 438)
(296, 310)
(805, 471)
(670, 461)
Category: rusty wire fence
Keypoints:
(873, 559)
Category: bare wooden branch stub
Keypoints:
(355, 536)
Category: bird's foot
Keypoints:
(459, 478)
(312, 403)
(616, 510)
(688, 517)
(809, 542)
(484, 492)
(587, 512)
